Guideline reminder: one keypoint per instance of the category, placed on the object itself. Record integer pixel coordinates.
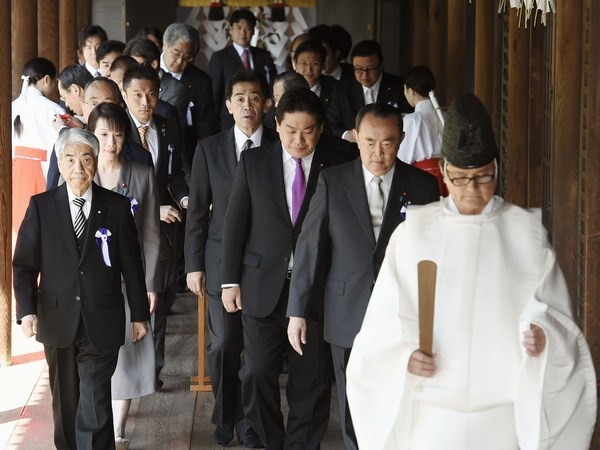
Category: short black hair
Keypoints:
(123, 62)
(143, 48)
(300, 100)
(381, 110)
(74, 74)
(324, 35)
(242, 14)
(107, 47)
(247, 76)
(88, 31)
(150, 30)
(291, 80)
(343, 38)
(367, 48)
(112, 113)
(311, 46)
(141, 73)
(37, 68)
(420, 79)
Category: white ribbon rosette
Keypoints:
(103, 239)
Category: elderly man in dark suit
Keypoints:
(161, 138)
(269, 200)
(180, 47)
(370, 84)
(75, 244)
(240, 55)
(212, 176)
(361, 203)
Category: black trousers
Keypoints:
(223, 354)
(308, 388)
(340, 357)
(81, 398)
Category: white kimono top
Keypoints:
(422, 134)
(496, 275)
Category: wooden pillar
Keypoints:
(455, 55)
(518, 111)
(484, 52)
(566, 137)
(438, 32)
(67, 32)
(84, 13)
(23, 38)
(420, 24)
(5, 186)
(48, 30)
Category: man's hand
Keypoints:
(169, 214)
(297, 333)
(152, 299)
(232, 299)
(138, 330)
(29, 325)
(534, 340)
(422, 365)
(196, 281)
(65, 120)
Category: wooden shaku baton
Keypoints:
(427, 271)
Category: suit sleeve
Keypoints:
(335, 112)
(198, 213)
(179, 188)
(217, 76)
(26, 262)
(237, 226)
(312, 254)
(131, 267)
(151, 234)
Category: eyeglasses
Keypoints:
(176, 54)
(479, 179)
(366, 70)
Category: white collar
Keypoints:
(87, 195)
(336, 73)
(375, 87)
(306, 159)
(91, 69)
(492, 205)
(387, 177)
(140, 124)
(241, 138)
(239, 49)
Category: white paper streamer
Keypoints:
(436, 106)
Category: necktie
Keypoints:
(298, 189)
(248, 144)
(80, 219)
(246, 59)
(143, 129)
(369, 97)
(376, 206)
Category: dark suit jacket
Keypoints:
(212, 177)
(337, 256)
(73, 286)
(171, 185)
(258, 235)
(349, 98)
(175, 93)
(224, 64)
(328, 85)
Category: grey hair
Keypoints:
(180, 31)
(76, 136)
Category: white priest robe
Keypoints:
(422, 134)
(497, 274)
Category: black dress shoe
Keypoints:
(222, 436)
(251, 440)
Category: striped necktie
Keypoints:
(80, 219)
(143, 129)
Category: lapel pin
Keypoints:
(99, 212)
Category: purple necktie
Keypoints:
(246, 59)
(298, 189)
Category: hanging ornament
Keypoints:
(525, 8)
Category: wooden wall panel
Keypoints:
(420, 24)
(455, 55)
(47, 27)
(438, 40)
(67, 36)
(484, 52)
(566, 124)
(23, 38)
(5, 186)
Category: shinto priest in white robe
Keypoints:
(496, 275)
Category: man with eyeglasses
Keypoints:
(509, 368)
(370, 84)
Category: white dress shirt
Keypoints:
(240, 51)
(87, 206)
(241, 138)
(374, 88)
(386, 184)
(92, 70)
(151, 139)
(317, 89)
(163, 66)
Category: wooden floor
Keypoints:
(174, 418)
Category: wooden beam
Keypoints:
(5, 186)
(438, 32)
(23, 38)
(67, 32)
(420, 35)
(518, 111)
(48, 30)
(566, 138)
(455, 55)
(484, 52)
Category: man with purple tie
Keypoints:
(269, 200)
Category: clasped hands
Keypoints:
(420, 364)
